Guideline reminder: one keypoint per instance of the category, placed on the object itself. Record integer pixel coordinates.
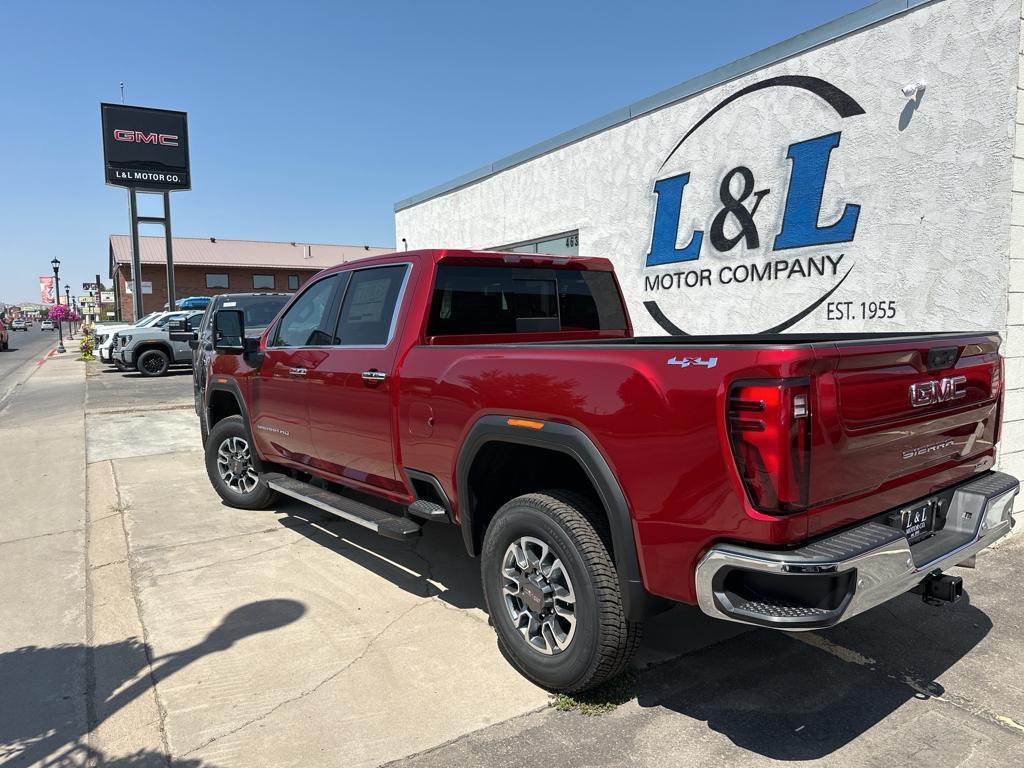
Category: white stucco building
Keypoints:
(865, 175)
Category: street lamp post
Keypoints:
(67, 303)
(56, 294)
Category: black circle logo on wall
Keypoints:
(800, 228)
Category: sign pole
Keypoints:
(133, 208)
(170, 251)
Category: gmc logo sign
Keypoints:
(938, 391)
(138, 137)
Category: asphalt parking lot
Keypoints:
(287, 637)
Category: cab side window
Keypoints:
(370, 305)
(307, 322)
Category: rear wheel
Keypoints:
(552, 592)
(230, 466)
(153, 362)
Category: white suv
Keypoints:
(103, 337)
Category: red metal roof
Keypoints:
(215, 252)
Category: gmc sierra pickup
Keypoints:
(787, 481)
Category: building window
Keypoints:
(293, 282)
(566, 244)
(214, 280)
(263, 281)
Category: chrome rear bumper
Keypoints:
(837, 577)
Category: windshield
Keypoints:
(161, 322)
(147, 320)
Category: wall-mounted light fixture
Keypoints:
(910, 91)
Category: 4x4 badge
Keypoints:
(686, 362)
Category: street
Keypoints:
(142, 622)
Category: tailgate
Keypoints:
(900, 408)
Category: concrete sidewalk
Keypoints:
(43, 623)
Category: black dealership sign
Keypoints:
(145, 148)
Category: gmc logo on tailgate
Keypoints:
(937, 391)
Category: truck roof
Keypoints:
(464, 255)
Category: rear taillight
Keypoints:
(998, 393)
(770, 433)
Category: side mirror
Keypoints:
(178, 330)
(229, 331)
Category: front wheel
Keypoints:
(229, 463)
(553, 594)
(153, 362)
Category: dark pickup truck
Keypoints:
(787, 481)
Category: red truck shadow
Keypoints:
(434, 565)
(804, 696)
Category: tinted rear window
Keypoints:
(259, 310)
(475, 300)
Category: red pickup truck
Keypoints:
(787, 481)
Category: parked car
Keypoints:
(150, 349)
(104, 334)
(19, 325)
(5, 337)
(783, 481)
(46, 325)
(192, 302)
(260, 309)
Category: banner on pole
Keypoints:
(46, 289)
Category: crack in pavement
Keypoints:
(104, 565)
(372, 641)
(152, 576)
(41, 536)
(270, 529)
(137, 409)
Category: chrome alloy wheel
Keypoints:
(538, 595)
(234, 463)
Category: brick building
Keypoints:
(207, 266)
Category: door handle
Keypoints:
(296, 371)
(374, 376)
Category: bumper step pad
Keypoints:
(842, 574)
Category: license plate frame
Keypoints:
(917, 521)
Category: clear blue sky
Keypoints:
(307, 121)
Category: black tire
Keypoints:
(153, 363)
(233, 429)
(603, 641)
